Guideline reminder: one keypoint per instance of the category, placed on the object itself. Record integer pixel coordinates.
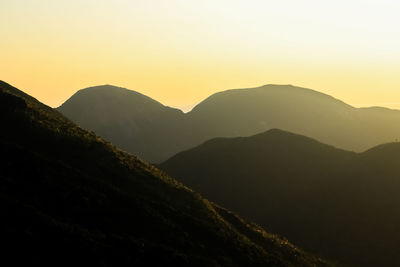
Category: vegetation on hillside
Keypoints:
(68, 197)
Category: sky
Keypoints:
(181, 51)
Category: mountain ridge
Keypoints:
(131, 124)
(274, 87)
(108, 87)
(129, 119)
(333, 202)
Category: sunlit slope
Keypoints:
(155, 132)
(69, 197)
(336, 203)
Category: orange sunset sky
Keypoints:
(179, 52)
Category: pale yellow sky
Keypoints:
(181, 51)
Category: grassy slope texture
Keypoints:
(135, 122)
(69, 198)
(339, 204)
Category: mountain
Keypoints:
(67, 197)
(339, 204)
(154, 132)
(245, 112)
(132, 121)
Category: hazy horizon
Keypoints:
(180, 52)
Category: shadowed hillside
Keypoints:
(336, 203)
(69, 197)
(135, 122)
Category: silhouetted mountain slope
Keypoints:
(68, 197)
(336, 203)
(134, 122)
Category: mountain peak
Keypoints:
(108, 90)
(272, 94)
(129, 119)
(104, 87)
(109, 95)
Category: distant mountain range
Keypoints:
(134, 122)
(68, 197)
(340, 204)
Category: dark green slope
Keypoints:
(134, 122)
(69, 198)
(336, 203)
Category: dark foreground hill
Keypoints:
(69, 198)
(336, 203)
(145, 127)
